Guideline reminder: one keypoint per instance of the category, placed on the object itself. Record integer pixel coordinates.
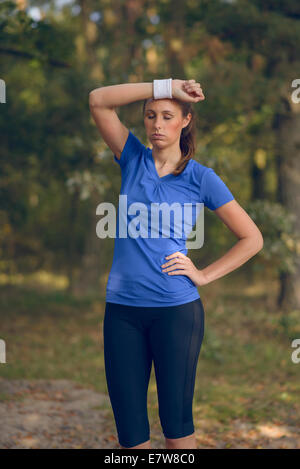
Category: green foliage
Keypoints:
(281, 242)
(54, 163)
(46, 41)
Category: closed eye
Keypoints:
(167, 118)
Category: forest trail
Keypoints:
(40, 414)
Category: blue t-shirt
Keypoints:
(136, 276)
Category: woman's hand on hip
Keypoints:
(179, 264)
(187, 90)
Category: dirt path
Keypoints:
(52, 414)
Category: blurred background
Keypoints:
(55, 169)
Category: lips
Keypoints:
(157, 135)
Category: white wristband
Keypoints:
(162, 88)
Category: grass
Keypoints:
(244, 371)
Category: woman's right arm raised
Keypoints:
(102, 103)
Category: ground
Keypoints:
(41, 414)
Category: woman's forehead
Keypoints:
(161, 105)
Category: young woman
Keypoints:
(153, 309)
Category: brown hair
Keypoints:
(187, 137)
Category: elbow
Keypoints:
(258, 242)
(255, 243)
(94, 98)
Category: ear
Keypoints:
(187, 119)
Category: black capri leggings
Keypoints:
(133, 336)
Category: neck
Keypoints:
(167, 157)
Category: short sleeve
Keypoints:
(133, 149)
(214, 191)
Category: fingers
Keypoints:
(175, 262)
(190, 86)
(190, 83)
(175, 266)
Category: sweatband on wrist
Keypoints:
(162, 88)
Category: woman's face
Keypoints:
(164, 116)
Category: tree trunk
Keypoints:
(258, 182)
(72, 250)
(287, 125)
(86, 280)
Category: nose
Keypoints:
(156, 123)
(157, 128)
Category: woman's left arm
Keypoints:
(250, 242)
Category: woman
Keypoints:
(153, 309)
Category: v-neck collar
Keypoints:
(167, 176)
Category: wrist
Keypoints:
(162, 88)
(201, 278)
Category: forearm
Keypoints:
(119, 95)
(241, 252)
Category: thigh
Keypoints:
(128, 364)
(176, 337)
